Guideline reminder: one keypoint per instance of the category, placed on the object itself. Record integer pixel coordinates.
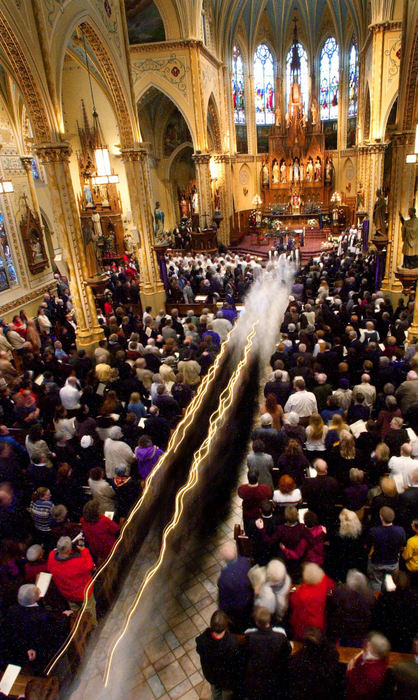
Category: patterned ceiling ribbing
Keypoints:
(229, 14)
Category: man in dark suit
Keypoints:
(157, 427)
(235, 591)
(220, 656)
(276, 386)
(408, 504)
(31, 633)
(321, 493)
(267, 654)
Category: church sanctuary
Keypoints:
(208, 349)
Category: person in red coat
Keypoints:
(308, 601)
(71, 570)
(366, 672)
(100, 532)
(252, 495)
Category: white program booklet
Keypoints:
(8, 678)
(390, 583)
(301, 513)
(358, 427)
(109, 514)
(42, 581)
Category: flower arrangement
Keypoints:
(313, 223)
(277, 224)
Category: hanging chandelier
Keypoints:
(104, 174)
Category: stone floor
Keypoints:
(167, 665)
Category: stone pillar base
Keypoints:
(89, 340)
(154, 299)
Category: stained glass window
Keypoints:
(238, 92)
(304, 75)
(329, 79)
(353, 82)
(8, 276)
(264, 85)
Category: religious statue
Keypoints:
(97, 226)
(295, 202)
(36, 247)
(410, 239)
(276, 173)
(329, 172)
(360, 198)
(110, 238)
(128, 242)
(89, 240)
(278, 116)
(314, 111)
(88, 195)
(309, 170)
(379, 215)
(183, 206)
(282, 171)
(195, 200)
(296, 170)
(265, 174)
(217, 200)
(317, 169)
(159, 217)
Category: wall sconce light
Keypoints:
(6, 187)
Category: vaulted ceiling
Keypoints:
(252, 16)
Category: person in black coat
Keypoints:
(220, 655)
(158, 428)
(395, 613)
(314, 671)
(128, 491)
(267, 652)
(349, 610)
(31, 633)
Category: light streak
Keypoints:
(171, 449)
(214, 421)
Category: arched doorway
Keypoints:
(167, 134)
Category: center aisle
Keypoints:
(168, 666)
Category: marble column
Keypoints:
(401, 198)
(138, 178)
(201, 161)
(370, 174)
(55, 158)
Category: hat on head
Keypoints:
(86, 441)
(34, 552)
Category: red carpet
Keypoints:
(249, 246)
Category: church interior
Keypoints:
(208, 270)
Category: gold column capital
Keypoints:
(133, 154)
(26, 162)
(53, 152)
(201, 158)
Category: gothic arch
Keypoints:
(24, 74)
(213, 117)
(123, 113)
(171, 94)
(173, 157)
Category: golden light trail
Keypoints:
(216, 417)
(172, 447)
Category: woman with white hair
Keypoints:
(346, 549)
(274, 592)
(308, 601)
(349, 610)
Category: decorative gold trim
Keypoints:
(26, 298)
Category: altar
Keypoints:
(297, 173)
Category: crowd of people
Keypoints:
(79, 436)
(330, 504)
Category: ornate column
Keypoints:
(224, 185)
(401, 198)
(55, 158)
(371, 160)
(250, 115)
(137, 175)
(201, 161)
(343, 109)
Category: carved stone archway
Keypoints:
(123, 114)
(24, 77)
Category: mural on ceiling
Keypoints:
(176, 133)
(144, 22)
